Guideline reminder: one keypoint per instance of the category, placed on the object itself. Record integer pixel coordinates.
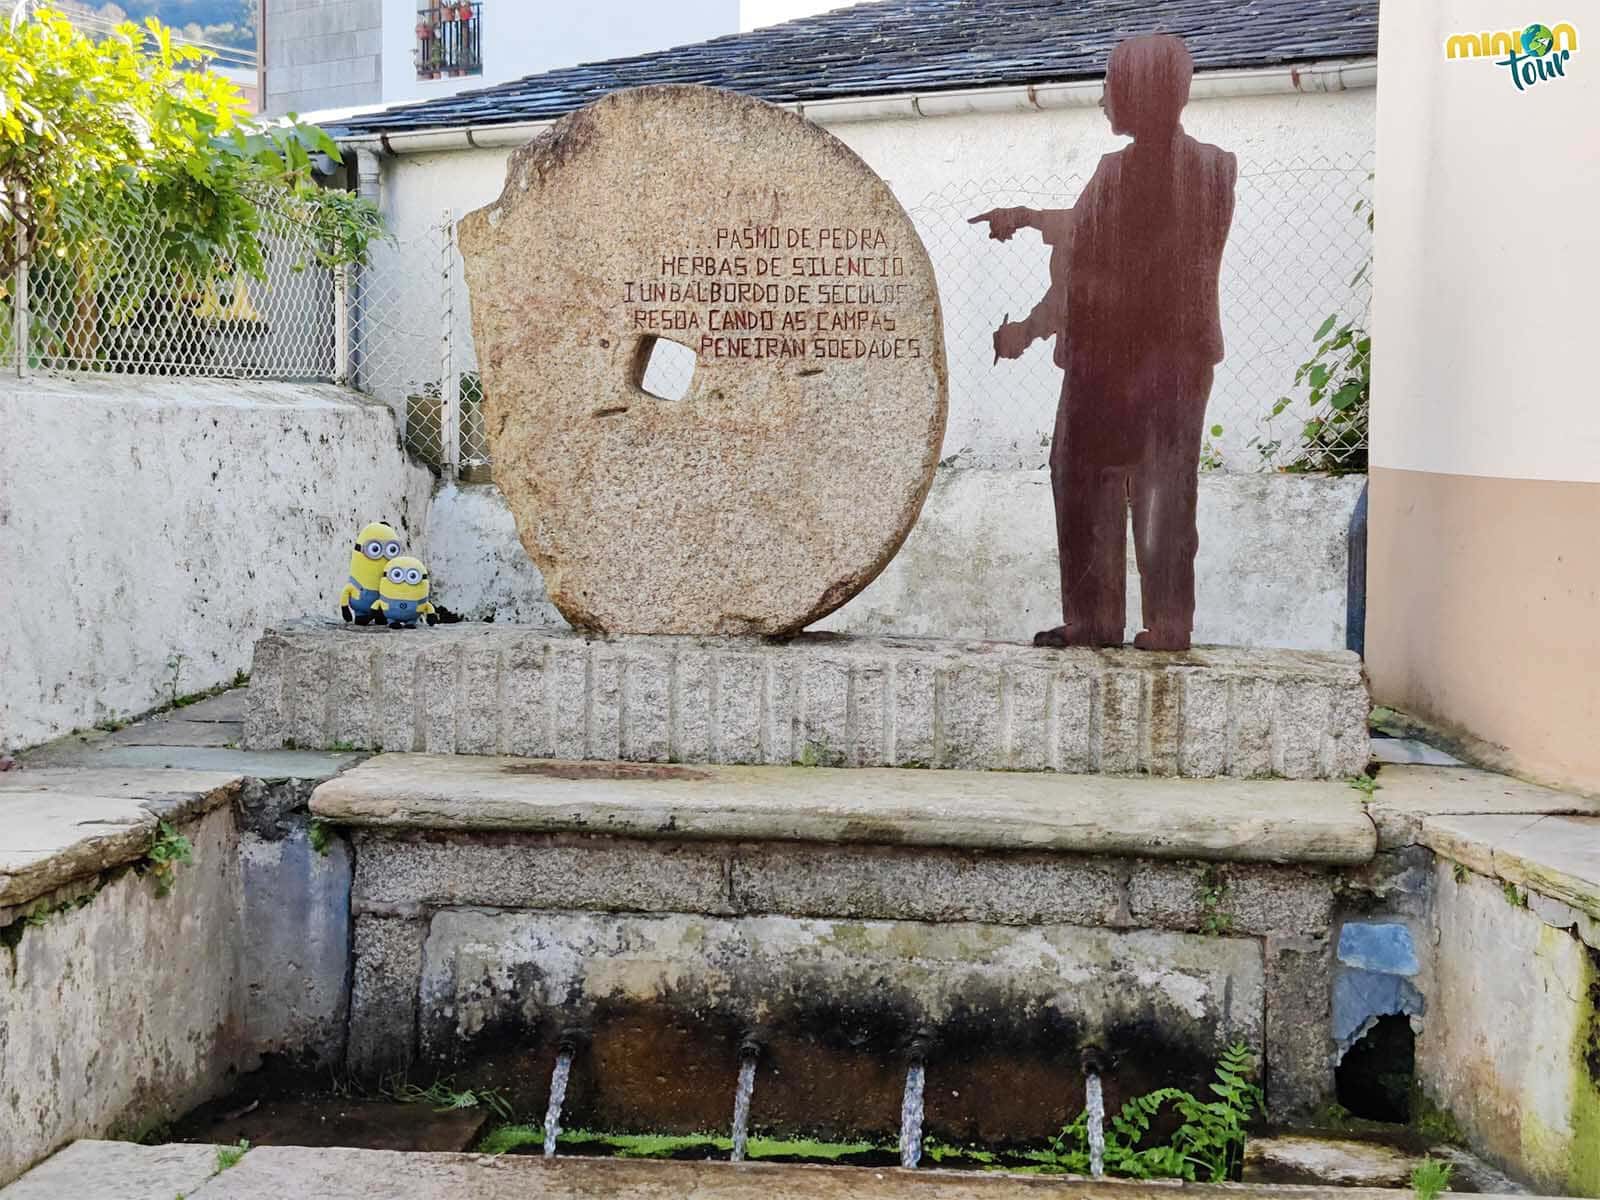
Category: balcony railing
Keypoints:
(449, 41)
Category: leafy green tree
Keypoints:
(100, 137)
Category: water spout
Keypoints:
(568, 1049)
(911, 1103)
(911, 1117)
(1097, 1125)
(749, 1054)
(1095, 1106)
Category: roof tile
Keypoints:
(891, 45)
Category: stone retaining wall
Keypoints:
(121, 1008)
(820, 700)
(150, 528)
(427, 985)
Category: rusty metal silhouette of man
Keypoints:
(1132, 305)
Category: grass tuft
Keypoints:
(1430, 1177)
(229, 1156)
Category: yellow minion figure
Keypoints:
(376, 544)
(403, 594)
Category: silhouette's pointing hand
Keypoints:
(1011, 339)
(1003, 222)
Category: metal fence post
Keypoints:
(449, 367)
(19, 293)
(341, 323)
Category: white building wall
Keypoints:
(1295, 245)
(321, 55)
(1486, 437)
(525, 37)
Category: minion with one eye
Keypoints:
(376, 544)
(403, 594)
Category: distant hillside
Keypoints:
(223, 22)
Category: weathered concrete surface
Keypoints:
(492, 689)
(1511, 1042)
(1407, 795)
(90, 1170)
(1248, 821)
(252, 764)
(199, 737)
(124, 1008)
(1299, 1048)
(1341, 1162)
(665, 1000)
(62, 824)
(789, 473)
(296, 925)
(981, 561)
(161, 548)
(386, 962)
(1557, 857)
(481, 568)
(272, 1173)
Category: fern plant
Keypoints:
(1208, 1146)
(1213, 1132)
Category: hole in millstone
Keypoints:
(1375, 1077)
(663, 368)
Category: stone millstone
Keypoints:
(787, 476)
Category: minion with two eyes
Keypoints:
(376, 544)
(403, 594)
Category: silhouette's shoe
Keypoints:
(1073, 635)
(1160, 639)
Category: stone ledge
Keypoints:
(1407, 796)
(819, 699)
(1557, 857)
(60, 824)
(1227, 820)
(272, 1172)
(96, 1170)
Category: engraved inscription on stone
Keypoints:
(713, 363)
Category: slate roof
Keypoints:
(920, 45)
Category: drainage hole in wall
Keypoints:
(1374, 1078)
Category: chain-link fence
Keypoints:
(398, 327)
(1295, 255)
(116, 304)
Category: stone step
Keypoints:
(103, 1171)
(817, 699)
(1276, 821)
(95, 1170)
(61, 824)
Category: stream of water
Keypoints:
(741, 1106)
(911, 1117)
(1096, 1105)
(558, 1097)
